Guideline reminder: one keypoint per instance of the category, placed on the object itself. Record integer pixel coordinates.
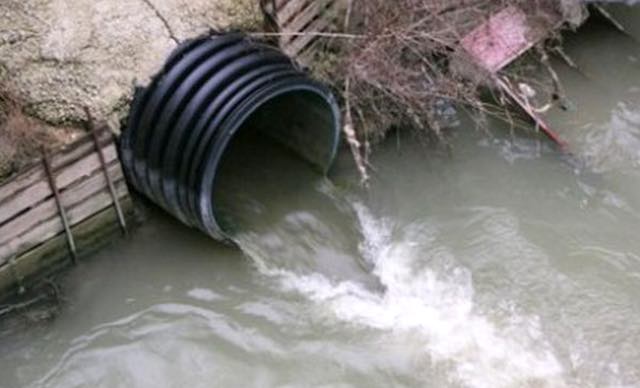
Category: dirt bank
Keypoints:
(58, 56)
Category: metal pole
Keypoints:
(103, 163)
(540, 123)
(63, 214)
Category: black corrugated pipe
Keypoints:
(180, 126)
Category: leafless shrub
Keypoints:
(21, 137)
(399, 63)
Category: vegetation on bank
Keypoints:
(22, 137)
(400, 64)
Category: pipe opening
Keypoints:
(285, 145)
(302, 121)
(210, 91)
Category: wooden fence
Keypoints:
(64, 205)
(299, 21)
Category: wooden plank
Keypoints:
(295, 48)
(39, 191)
(304, 19)
(505, 37)
(289, 10)
(51, 257)
(50, 228)
(47, 210)
(63, 157)
(500, 40)
(300, 21)
(282, 3)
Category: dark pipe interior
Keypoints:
(285, 144)
(301, 121)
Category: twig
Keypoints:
(336, 35)
(610, 18)
(8, 309)
(540, 123)
(351, 136)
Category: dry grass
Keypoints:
(399, 64)
(22, 137)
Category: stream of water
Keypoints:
(500, 265)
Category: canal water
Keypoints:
(501, 264)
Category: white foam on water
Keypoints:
(615, 144)
(204, 294)
(432, 307)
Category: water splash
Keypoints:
(426, 299)
(614, 145)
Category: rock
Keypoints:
(58, 56)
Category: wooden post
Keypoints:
(112, 189)
(63, 214)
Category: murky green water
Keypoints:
(499, 266)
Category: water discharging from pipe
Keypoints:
(295, 225)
